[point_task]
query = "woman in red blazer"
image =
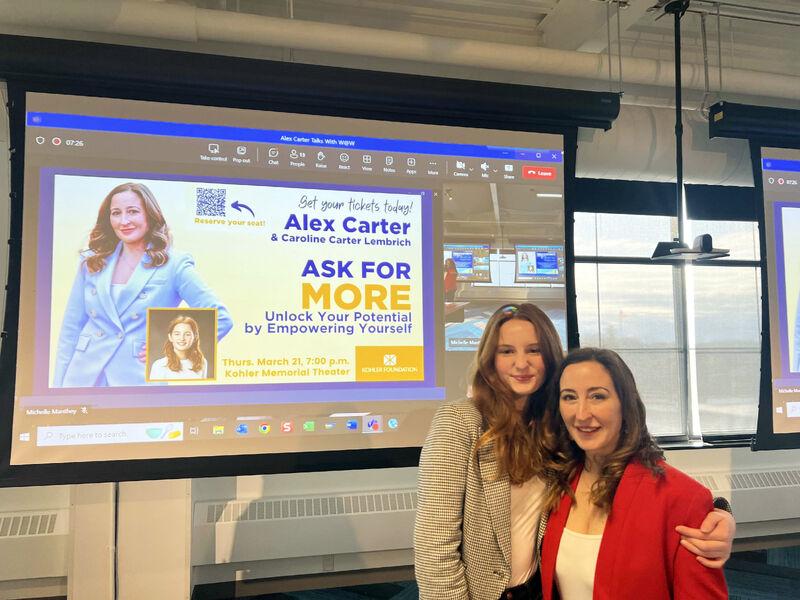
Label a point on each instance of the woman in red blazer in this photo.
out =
(614, 502)
(450, 280)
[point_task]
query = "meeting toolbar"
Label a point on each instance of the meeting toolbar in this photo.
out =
(281, 150)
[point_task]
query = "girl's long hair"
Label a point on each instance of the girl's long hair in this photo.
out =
(517, 441)
(103, 241)
(635, 441)
(194, 354)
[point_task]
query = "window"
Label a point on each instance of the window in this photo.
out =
(690, 333)
(724, 299)
(601, 234)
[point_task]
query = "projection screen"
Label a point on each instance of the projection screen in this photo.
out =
(204, 281)
(780, 178)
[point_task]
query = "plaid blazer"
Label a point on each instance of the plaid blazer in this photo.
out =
(462, 533)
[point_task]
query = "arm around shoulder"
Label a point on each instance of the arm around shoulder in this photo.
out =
(713, 540)
(443, 470)
(690, 578)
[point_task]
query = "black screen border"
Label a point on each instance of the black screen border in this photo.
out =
(75, 68)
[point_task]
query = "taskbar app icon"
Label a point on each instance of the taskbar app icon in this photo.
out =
(373, 424)
(320, 425)
(304, 425)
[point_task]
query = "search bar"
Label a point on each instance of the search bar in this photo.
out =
(118, 433)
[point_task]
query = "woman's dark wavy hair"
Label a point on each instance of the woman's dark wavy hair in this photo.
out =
(103, 241)
(517, 442)
(635, 441)
(194, 354)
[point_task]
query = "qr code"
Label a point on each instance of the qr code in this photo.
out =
(210, 202)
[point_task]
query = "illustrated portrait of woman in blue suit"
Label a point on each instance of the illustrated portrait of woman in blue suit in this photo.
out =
(128, 267)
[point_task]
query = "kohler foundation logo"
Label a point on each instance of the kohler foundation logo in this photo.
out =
(390, 366)
(390, 363)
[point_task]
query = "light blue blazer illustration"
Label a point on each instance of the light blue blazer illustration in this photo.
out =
(103, 332)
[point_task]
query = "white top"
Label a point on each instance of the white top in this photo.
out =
(575, 564)
(526, 508)
(160, 370)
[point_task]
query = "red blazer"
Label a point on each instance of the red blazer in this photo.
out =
(640, 555)
(450, 281)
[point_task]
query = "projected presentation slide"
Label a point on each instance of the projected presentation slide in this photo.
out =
(472, 261)
(540, 263)
(305, 273)
(781, 183)
(201, 281)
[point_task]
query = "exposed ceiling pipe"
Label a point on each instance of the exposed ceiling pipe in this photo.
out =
(188, 23)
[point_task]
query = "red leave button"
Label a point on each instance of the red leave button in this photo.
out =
(533, 172)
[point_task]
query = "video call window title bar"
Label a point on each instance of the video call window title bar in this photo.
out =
(269, 136)
(776, 164)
